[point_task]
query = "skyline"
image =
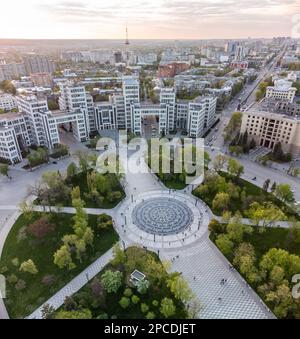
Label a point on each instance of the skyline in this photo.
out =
(157, 19)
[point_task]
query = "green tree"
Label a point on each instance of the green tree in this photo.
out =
(4, 170)
(63, 258)
(124, 302)
(143, 286)
(225, 244)
(167, 308)
(180, 288)
(221, 202)
(265, 215)
(29, 267)
(112, 281)
(284, 193)
(234, 168)
(72, 170)
(119, 256)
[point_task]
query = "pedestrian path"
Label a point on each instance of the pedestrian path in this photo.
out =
(74, 285)
(206, 272)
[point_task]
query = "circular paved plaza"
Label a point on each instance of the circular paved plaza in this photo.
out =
(162, 216)
(162, 219)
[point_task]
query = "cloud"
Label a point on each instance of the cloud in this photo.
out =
(182, 16)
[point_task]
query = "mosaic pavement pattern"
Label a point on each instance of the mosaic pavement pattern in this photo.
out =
(162, 216)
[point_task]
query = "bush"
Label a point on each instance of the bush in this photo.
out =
(112, 281)
(128, 292)
(124, 302)
(144, 308)
(15, 262)
(41, 228)
(12, 279)
(155, 303)
(49, 280)
(102, 316)
(20, 285)
(150, 315)
(135, 299)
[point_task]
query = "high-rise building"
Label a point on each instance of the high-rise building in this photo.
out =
(38, 64)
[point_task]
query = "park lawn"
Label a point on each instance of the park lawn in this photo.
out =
(22, 303)
(112, 307)
(272, 238)
(253, 190)
(173, 184)
(80, 180)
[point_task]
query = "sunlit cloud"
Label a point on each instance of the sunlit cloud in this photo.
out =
(147, 19)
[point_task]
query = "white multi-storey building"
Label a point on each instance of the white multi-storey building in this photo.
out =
(36, 125)
(7, 102)
(282, 90)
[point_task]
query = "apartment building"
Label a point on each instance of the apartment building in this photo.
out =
(7, 102)
(36, 125)
(268, 129)
(282, 90)
(38, 64)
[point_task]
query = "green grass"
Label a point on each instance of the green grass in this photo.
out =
(111, 305)
(21, 303)
(272, 238)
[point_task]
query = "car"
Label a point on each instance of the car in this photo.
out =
(54, 163)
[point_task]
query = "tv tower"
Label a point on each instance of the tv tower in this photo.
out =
(127, 39)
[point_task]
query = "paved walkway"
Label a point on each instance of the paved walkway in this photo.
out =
(74, 285)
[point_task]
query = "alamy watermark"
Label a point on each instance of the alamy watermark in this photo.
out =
(2, 287)
(164, 156)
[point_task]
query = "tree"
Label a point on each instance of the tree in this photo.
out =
(219, 162)
(150, 316)
(235, 229)
(72, 170)
(167, 308)
(4, 169)
(265, 215)
(40, 228)
(266, 185)
(143, 286)
(180, 288)
(48, 312)
(83, 160)
(284, 193)
(234, 168)
(78, 314)
(281, 299)
(216, 227)
(221, 202)
(112, 281)
(144, 308)
(63, 258)
(124, 302)
(119, 256)
(29, 267)
(135, 299)
(233, 126)
(225, 244)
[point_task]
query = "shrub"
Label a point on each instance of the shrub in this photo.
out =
(128, 292)
(155, 303)
(20, 285)
(135, 299)
(112, 281)
(150, 315)
(102, 316)
(12, 279)
(40, 228)
(124, 302)
(15, 262)
(143, 286)
(144, 308)
(29, 267)
(48, 280)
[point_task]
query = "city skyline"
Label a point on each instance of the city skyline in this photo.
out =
(158, 19)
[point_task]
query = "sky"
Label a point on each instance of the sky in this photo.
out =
(148, 19)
